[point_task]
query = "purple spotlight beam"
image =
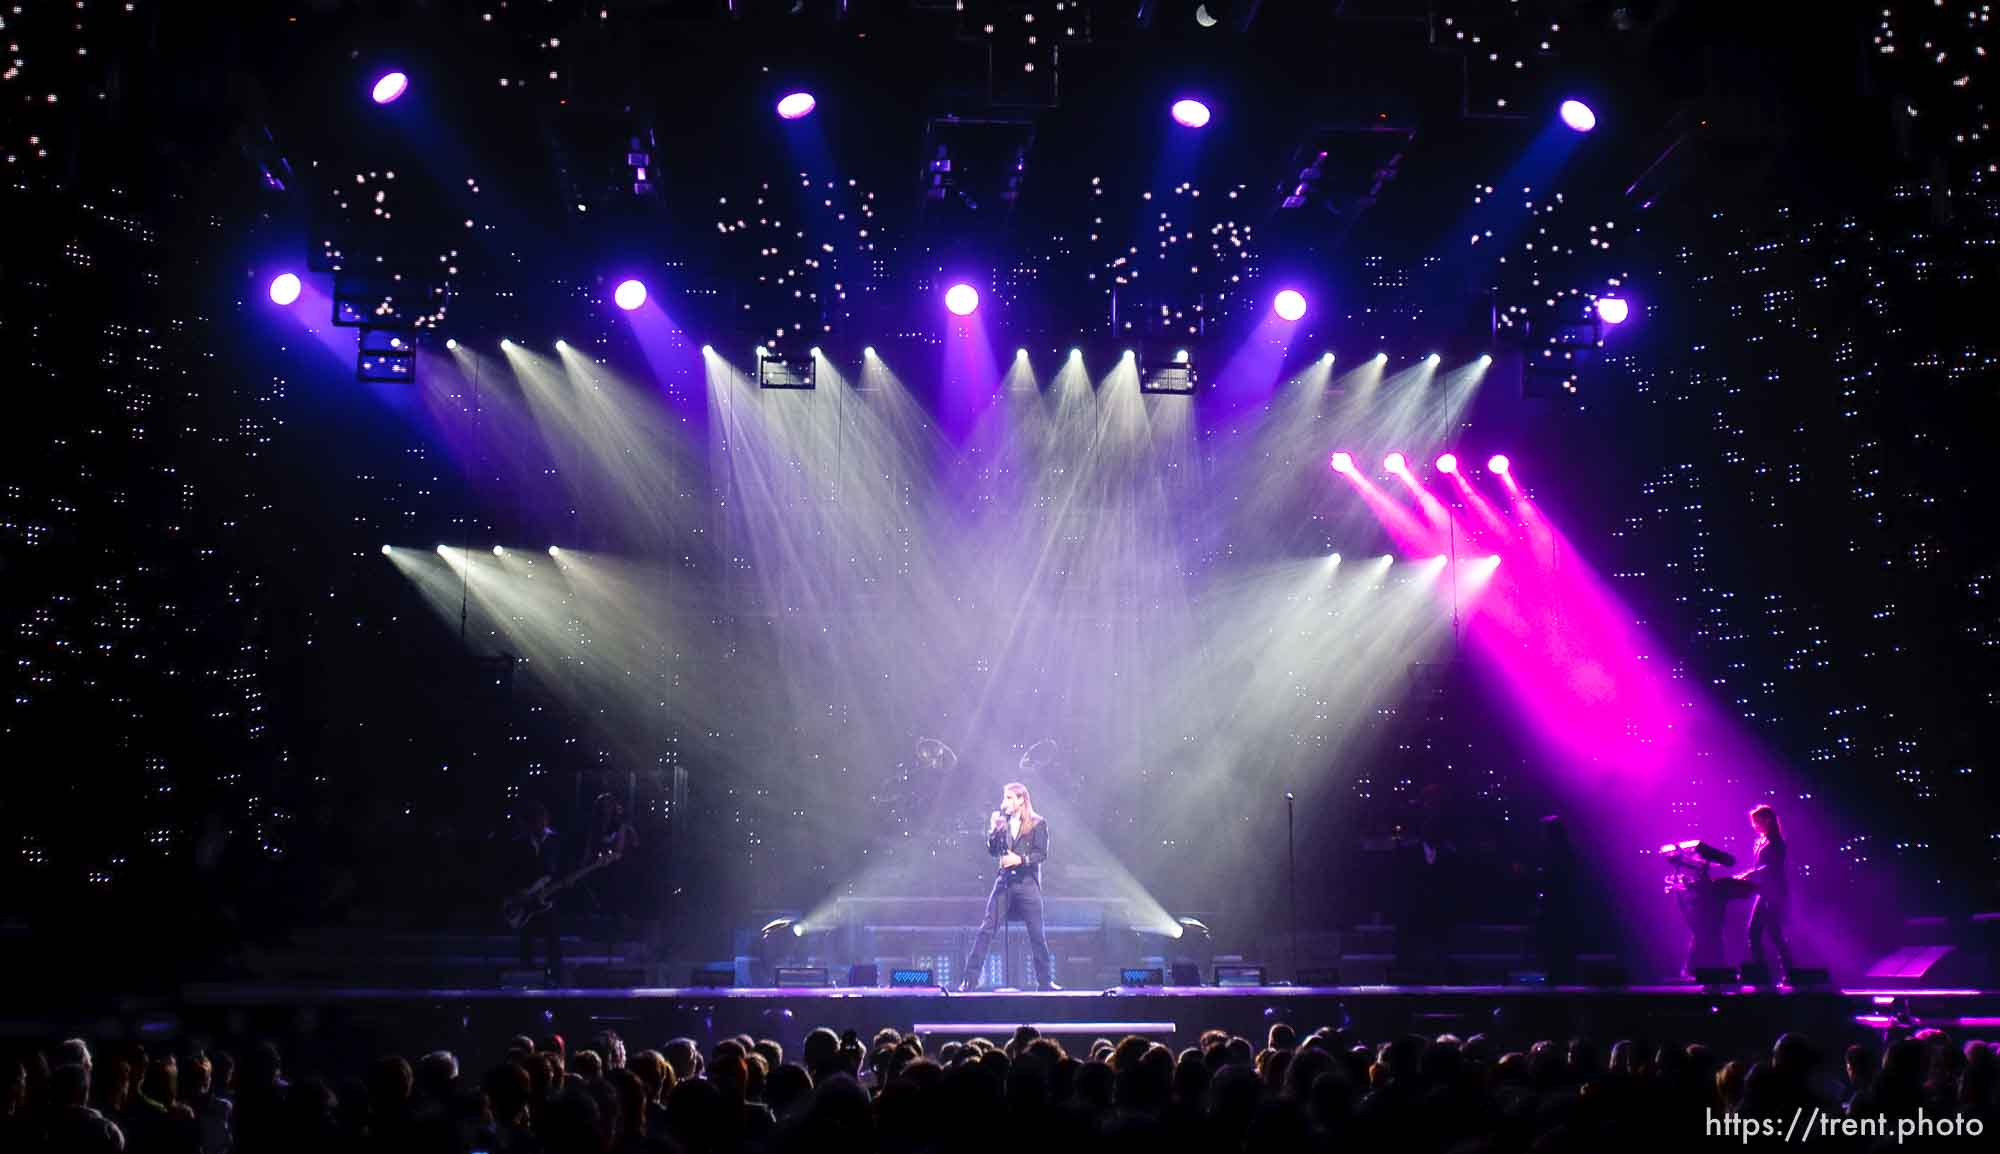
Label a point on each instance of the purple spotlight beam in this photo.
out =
(961, 299)
(1190, 113)
(630, 294)
(1289, 304)
(389, 87)
(796, 106)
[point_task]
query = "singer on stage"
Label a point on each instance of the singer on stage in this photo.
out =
(1019, 838)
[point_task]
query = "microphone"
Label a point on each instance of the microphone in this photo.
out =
(999, 819)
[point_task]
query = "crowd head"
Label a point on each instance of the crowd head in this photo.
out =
(892, 1091)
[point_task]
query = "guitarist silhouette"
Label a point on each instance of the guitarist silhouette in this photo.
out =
(537, 856)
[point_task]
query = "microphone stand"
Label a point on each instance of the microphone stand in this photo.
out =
(1292, 856)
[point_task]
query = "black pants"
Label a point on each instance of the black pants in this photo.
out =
(1767, 919)
(1025, 898)
(544, 926)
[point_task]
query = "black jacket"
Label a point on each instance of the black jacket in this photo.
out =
(1033, 846)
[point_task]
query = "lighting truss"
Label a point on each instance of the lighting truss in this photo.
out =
(786, 371)
(1172, 375)
(386, 354)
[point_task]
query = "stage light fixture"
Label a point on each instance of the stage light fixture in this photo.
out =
(1076, 354)
(285, 288)
(1343, 462)
(1447, 463)
(390, 87)
(451, 344)
(1020, 354)
(1396, 463)
(1381, 358)
(1289, 304)
(1180, 356)
(708, 350)
(1578, 115)
(1498, 464)
(1434, 358)
(630, 294)
(961, 299)
(499, 551)
(1128, 356)
(553, 551)
(868, 352)
(385, 550)
(1191, 113)
(1613, 310)
(796, 106)
(561, 344)
(813, 351)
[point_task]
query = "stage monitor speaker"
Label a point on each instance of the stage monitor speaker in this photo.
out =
(716, 977)
(1754, 974)
(1809, 977)
(1318, 976)
(1237, 974)
(800, 977)
(1714, 975)
(864, 974)
(1144, 976)
(1185, 974)
(912, 979)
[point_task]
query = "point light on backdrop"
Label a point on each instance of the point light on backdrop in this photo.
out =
(961, 299)
(1289, 304)
(1447, 463)
(1613, 310)
(796, 105)
(1498, 464)
(1342, 462)
(1190, 113)
(1578, 115)
(285, 288)
(390, 87)
(1396, 463)
(630, 294)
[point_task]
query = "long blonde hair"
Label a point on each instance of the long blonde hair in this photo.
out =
(1029, 818)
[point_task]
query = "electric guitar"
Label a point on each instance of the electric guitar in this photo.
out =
(537, 899)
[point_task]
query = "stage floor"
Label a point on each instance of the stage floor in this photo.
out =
(1513, 1015)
